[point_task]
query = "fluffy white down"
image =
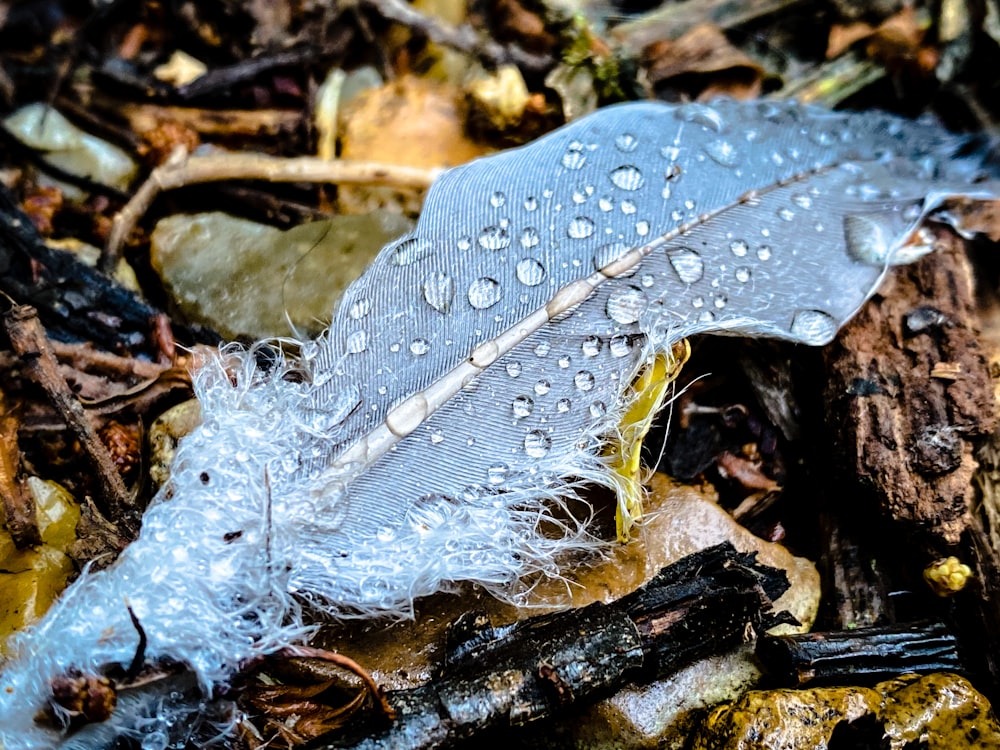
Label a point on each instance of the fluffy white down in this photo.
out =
(212, 599)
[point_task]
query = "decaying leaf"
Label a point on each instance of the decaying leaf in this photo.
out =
(440, 428)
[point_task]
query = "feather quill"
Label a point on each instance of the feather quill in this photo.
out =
(471, 377)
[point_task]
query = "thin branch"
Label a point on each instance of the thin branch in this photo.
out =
(28, 339)
(344, 662)
(180, 170)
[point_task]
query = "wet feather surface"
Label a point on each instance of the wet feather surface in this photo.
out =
(471, 377)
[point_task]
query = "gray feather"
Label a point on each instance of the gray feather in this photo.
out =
(469, 378)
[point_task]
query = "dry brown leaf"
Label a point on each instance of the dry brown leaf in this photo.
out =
(409, 122)
(897, 42)
(704, 51)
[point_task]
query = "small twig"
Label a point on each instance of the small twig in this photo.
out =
(135, 668)
(28, 339)
(344, 662)
(19, 506)
(180, 170)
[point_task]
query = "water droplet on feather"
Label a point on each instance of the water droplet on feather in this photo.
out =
(580, 228)
(411, 250)
(494, 238)
(530, 272)
(626, 305)
(439, 290)
(687, 263)
(813, 327)
(627, 177)
(484, 293)
(522, 406)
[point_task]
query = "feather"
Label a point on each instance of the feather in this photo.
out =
(472, 377)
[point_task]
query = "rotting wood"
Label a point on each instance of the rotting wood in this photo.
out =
(908, 435)
(497, 679)
(28, 340)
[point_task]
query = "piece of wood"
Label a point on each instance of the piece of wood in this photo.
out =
(860, 656)
(906, 430)
(497, 679)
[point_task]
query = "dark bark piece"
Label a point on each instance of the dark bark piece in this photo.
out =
(861, 656)
(499, 679)
(18, 504)
(28, 339)
(909, 392)
(857, 586)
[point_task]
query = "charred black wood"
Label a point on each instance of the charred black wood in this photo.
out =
(861, 656)
(497, 679)
(74, 301)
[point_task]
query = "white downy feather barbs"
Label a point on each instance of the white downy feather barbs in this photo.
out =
(470, 376)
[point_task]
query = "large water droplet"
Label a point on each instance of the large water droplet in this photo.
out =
(419, 347)
(591, 346)
(522, 406)
(742, 274)
(564, 362)
(627, 177)
(626, 142)
(411, 250)
(764, 252)
(360, 308)
(584, 380)
(628, 207)
(723, 152)
(813, 327)
(530, 203)
(484, 293)
(530, 272)
(513, 368)
(687, 263)
(463, 243)
(537, 443)
(563, 405)
(580, 228)
(529, 237)
(739, 248)
(701, 114)
(626, 305)
(542, 387)
(498, 199)
(494, 238)
(497, 473)
(606, 204)
(574, 158)
(642, 228)
(439, 291)
(609, 253)
(866, 240)
(542, 349)
(620, 345)
(357, 342)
